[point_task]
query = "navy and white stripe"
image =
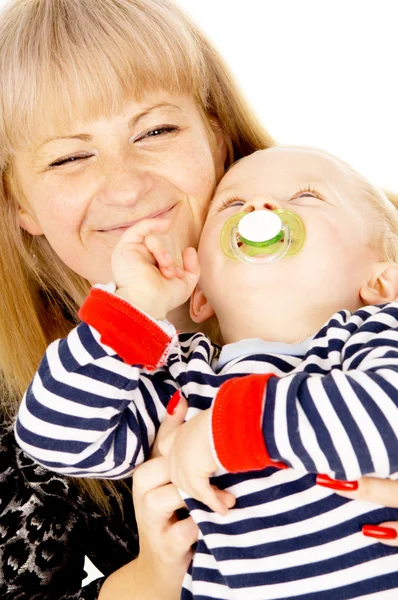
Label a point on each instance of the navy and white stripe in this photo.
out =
(334, 410)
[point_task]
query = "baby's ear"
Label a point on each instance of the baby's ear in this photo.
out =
(200, 308)
(382, 284)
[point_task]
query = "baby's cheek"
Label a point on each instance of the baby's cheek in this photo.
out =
(208, 238)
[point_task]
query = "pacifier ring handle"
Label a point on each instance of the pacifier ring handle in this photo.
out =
(261, 258)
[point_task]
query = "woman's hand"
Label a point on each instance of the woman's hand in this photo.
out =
(176, 412)
(370, 489)
(165, 542)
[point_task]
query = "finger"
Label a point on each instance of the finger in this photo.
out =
(190, 261)
(139, 231)
(207, 495)
(169, 272)
(226, 497)
(370, 489)
(161, 503)
(191, 269)
(151, 474)
(386, 533)
(183, 534)
(165, 445)
(175, 416)
(162, 248)
(177, 541)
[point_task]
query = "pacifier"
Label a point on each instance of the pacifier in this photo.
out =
(262, 236)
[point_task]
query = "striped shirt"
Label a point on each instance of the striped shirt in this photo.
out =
(333, 410)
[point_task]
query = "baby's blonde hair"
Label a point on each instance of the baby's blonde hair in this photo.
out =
(63, 61)
(384, 212)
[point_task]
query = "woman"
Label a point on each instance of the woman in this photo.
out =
(111, 111)
(148, 117)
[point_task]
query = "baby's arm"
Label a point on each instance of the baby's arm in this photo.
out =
(86, 411)
(344, 423)
(192, 452)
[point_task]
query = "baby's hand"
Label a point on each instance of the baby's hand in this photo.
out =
(149, 270)
(191, 463)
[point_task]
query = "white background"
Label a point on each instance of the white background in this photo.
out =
(316, 72)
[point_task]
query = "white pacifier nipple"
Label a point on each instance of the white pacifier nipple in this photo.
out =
(260, 228)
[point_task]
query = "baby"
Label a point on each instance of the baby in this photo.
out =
(306, 381)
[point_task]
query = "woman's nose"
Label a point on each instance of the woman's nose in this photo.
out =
(124, 185)
(259, 203)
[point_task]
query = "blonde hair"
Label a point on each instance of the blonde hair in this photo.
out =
(88, 57)
(384, 212)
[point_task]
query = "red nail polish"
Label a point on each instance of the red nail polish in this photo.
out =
(380, 533)
(173, 402)
(334, 484)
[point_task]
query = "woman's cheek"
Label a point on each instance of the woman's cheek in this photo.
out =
(200, 172)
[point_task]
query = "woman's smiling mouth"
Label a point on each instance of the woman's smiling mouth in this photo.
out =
(123, 226)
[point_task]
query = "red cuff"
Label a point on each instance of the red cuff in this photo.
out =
(237, 424)
(133, 336)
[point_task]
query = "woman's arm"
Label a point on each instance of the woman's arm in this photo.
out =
(165, 542)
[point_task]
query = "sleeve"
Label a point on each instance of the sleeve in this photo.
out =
(91, 410)
(46, 530)
(89, 592)
(344, 422)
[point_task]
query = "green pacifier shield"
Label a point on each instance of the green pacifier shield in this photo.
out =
(296, 227)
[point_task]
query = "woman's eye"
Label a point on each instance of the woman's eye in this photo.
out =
(69, 159)
(157, 132)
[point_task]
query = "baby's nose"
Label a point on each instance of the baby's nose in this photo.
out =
(259, 203)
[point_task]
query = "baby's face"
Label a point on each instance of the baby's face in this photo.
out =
(327, 274)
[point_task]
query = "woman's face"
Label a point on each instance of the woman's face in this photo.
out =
(83, 188)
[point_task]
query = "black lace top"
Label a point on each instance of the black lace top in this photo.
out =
(46, 529)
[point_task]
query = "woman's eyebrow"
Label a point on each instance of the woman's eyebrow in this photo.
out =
(134, 120)
(86, 137)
